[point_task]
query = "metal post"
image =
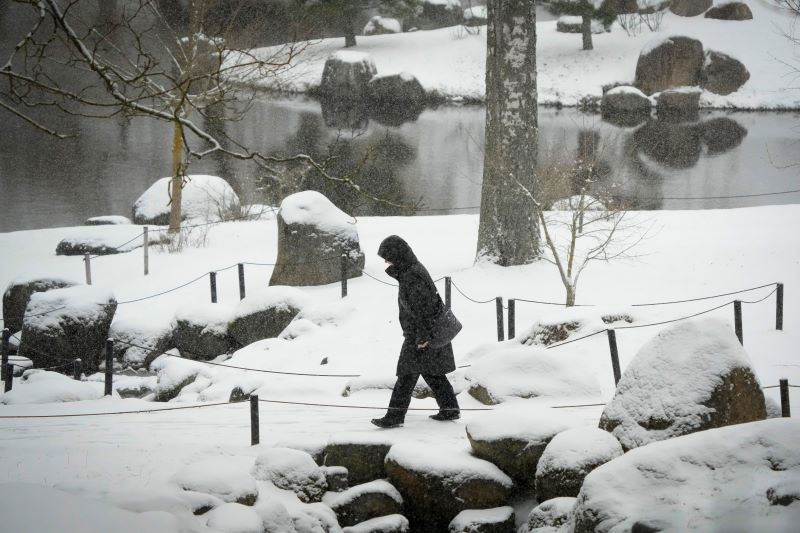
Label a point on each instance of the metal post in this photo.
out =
(512, 318)
(77, 369)
(786, 411)
(254, 436)
(448, 282)
(212, 278)
(9, 378)
(779, 307)
(87, 262)
(344, 275)
(6, 336)
(241, 281)
(499, 305)
(737, 320)
(612, 344)
(146, 247)
(109, 366)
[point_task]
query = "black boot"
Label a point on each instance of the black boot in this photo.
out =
(387, 422)
(446, 415)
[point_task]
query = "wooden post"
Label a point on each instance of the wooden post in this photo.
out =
(212, 278)
(146, 247)
(512, 318)
(500, 328)
(254, 433)
(344, 275)
(448, 282)
(4, 351)
(87, 263)
(786, 411)
(109, 366)
(612, 344)
(77, 369)
(737, 320)
(9, 377)
(241, 281)
(779, 307)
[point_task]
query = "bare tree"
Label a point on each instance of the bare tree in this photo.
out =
(85, 58)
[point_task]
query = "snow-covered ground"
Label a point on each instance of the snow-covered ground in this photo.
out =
(689, 254)
(451, 61)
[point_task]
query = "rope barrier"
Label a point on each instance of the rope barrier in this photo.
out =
(164, 292)
(468, 298)
(674, 319)
(578, 339)
(379, 280)
(117, 248)
(704, 297)
(69, 415)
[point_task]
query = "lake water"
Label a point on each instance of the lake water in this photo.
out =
(436, 156)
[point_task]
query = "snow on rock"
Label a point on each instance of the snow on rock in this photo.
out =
(692, 376)
(514, 438)
(108, 220)
(443, 481)
(569, 458)
(200, 331)
(314, 209)
(365, 502)
(138, 342)
(292, 470)
(227, 478)
(483, 520)
(378, 25)
(346, 74)
(174, 373)
(553, 513)
(265, 313)
(40, 386)
(106, 240)
(715, 480)
(477, 14)
(206, 198)
(275, 517)
(385, 524)
(314, 518)
(18, 294)
(235, 518)
(319, 315)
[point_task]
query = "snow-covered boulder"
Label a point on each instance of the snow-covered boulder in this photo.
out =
(66, 324)
(234, 518)
(394, 523)
(437, 483)
(107, 220)
(569, 458)
(738, 478)
(691, 377)
(173, 373)
(379, 25)
(204, 197)
(227, 478)
(672, 62)
(363, 457)
(200, 331)
(18, 294)
(678, 105)
(396, 90)
(39, 386)
(515, 438)
(476, 16)
(346, 74)
(266, 313)
(730, 11)
(574, 24)
(314, 518)
(292, 470)
(553, 513)
(336, 477)
(138, 343)
(313, 235)
(625, 106)
(689, 8)
(551, 332)
(366, 501)
(723, 74)
(497, 520)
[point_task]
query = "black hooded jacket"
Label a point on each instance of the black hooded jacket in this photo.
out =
(420, 304)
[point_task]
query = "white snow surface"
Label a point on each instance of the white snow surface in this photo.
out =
(275, 296)
(548, 513)
(40, 386)
(290, 469)
(577, 448)
(203, 197)
(235, 518)
(79, 303)
(393, 523)
(715, 480)
(213, 316)
(387, 24)
(626, 89)
(228, 478)
(520, 421)
(454, 463)
(314, 209)
(469, 519)
(109, 220)
(478, 12)
(122, 236)
(351, 56)
(371, 487)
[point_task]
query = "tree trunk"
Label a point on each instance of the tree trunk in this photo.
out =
(508, 232)
(349, 38)
(176, 185)
(570, 295)
(586, 30)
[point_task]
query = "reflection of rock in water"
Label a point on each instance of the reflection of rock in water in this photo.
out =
(395, 114)
(722, 134)
(672, 145)
(344, 115)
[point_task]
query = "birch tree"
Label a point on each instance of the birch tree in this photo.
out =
(508, 232)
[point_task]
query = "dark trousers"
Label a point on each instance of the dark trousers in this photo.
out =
(401, 395)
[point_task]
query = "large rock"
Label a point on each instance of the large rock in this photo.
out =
(569, 458)
(514, 439)
(689, 8)
(738, 478)
(439, 483)
(201, 331)
(574, 24)
(730, 11)
(226, 477)
(396, 91)
(364, 460)
(107, 240)
(313, 235)
(394, 523)
(264, 314)
(208, 198)
(18, 294)
(292, 470)
(346, 74)
(365, 502)
(625, 106)
(722, 74)
(691, 377)
(173, 373)
(379, 25)
(678, 105)
(497, 520)
(553, 513)
(66, 324)
(674, 62)
(138, 343)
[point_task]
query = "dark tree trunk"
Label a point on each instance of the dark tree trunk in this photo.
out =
(586, 30)
(508, 233)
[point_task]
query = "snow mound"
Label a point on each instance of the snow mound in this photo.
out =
(314, 209)
(292, 470)
(353, 493)
(379, 25)
(715, 480)
(84, 303)
(40, 386)
(235, 518)
(228, 478)
(457, 465)
(578, 448)
(203, 197)
(481, 519)
(274, 297)
(213, 317)
(520, 421)
(106, 240)
(554, 513)
(111, 220)
(393, 523)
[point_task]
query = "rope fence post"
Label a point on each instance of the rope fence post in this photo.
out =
(4, 349)
(87, 263)
(77, 369)
(512, 318)
(109, 366)
(786, 410)
(779, 307)
(737, 320)
(448, 287)
(9, 377)
(499, 306)
(241, 281)
(612, 345)
(212, 279)
(344, 275)
(254, 424)
(146, 247)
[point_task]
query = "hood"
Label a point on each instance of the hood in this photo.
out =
(397, 252)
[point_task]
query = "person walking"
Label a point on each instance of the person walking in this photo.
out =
(420, 305)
